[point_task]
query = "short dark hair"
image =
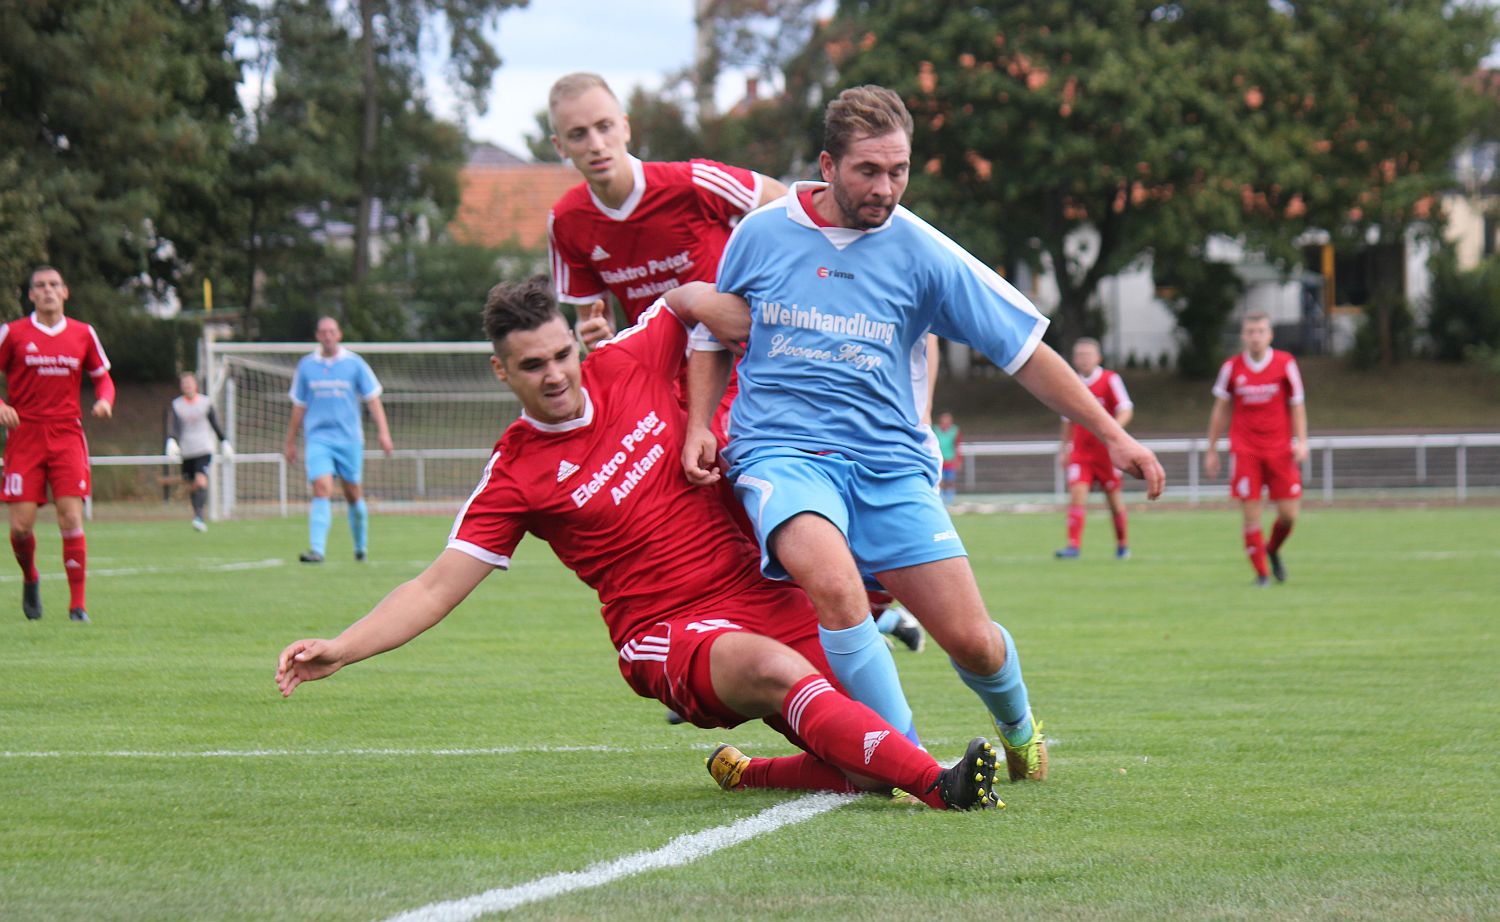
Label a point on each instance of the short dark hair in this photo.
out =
(512, 306)
(863, 112)
(43, 268)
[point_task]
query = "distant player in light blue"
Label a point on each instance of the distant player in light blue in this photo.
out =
(826, 448)
(327, 390)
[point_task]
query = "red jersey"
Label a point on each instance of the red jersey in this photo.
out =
(1263, 394)
(671, 230)
(1109, 389)
(607, 490)
(44, 367)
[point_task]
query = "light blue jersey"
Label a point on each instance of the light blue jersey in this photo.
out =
(332, 390)
(836, 360)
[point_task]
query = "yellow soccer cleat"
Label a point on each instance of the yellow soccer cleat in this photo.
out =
(1028, 761)
(727, 764)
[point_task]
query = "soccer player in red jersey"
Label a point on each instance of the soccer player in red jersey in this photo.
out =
(591, 468)
(44, 358)
(1086, 459)
(1259, 395)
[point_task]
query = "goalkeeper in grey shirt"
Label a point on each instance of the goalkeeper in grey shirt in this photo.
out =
(192, 430)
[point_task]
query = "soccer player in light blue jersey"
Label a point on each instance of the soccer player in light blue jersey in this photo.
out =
(826, 451)
(327, 391)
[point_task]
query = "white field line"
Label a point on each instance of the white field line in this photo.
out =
(682, 850)
(303, 753)
(232, 566)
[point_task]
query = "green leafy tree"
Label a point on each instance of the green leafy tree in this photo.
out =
(1157, 125)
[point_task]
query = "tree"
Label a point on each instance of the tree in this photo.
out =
(1156, 124)
(115, 122)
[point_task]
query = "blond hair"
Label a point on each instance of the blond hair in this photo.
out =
(572, 85)
(863, 112)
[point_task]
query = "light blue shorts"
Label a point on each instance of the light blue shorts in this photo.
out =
(890, 520)
(346, 459)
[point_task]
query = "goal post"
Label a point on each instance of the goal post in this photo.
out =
(442, 401)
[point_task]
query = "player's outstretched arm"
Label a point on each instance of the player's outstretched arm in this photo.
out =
(726, 316)
(1052, 381)
(410, 608)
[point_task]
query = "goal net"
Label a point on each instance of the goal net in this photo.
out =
(443, 403)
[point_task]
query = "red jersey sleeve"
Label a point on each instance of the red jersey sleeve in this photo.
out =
(726, 192)
(493, 520)
(573, 275)
(658, 340)
(96, 363)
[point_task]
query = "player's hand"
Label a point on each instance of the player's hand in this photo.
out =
(290, 451)
(9, 418)
(1139, 461)
(305, 661)
(1211, 464)
(174, 451)
(1299, 451)
(1062, 457)
(593, 325)
(700, 453)
(103, 409)
(386, 445)
(226, 449)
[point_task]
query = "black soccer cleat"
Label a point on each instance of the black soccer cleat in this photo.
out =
(310, 557)
(675, 718)
(78, 614)
(359, 556)
(970, 785)
(1277, 570)
(31, 600)
(908, 632)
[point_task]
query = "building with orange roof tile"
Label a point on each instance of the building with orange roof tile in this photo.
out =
(504, 200)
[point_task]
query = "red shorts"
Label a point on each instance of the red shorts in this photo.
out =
(1089, 469)
(43, 454)
(669, 660)
(1249, 473)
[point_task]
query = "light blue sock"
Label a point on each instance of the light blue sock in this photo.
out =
(359, 523)
(863, 665)
(319, 517)
(888, 620)
(1004, 693)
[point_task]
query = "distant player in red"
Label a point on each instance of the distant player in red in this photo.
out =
(44, 358)
(591, 468)
(1259, 395)
(1086, 459)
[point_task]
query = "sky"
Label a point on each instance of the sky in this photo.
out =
(628, 42)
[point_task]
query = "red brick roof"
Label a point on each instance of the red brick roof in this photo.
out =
(508, 203)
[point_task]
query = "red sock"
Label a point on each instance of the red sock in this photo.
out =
(75, 564)
(1121, 520)
(1255, 546)
(25, 548)
(853, 738)
(1279, 531)
(1076, 517)
(801, 772)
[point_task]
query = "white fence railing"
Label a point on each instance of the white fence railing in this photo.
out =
(1456, 466)
(1452, 464)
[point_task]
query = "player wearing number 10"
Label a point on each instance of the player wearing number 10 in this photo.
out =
(591, 467)
(45, 357)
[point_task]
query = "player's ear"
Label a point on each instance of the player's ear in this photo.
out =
(625, 122)
(557, 146)
(499, 368)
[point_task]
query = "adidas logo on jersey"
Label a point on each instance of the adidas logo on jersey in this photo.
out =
(599, 253)
(31, 347)
(566, 469)
(872, 739)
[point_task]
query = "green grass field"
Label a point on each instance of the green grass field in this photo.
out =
(1322, 749)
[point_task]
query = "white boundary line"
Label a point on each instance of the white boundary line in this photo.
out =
(298, 753)
(267, 564)
(682, 850)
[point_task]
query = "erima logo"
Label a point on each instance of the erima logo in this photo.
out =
(872, 739)
(599, 253)
(566, 469)
(825, 273)
(31, 347)
(945, 536)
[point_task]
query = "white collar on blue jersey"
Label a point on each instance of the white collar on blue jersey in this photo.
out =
(318, 355)
(623, 213)
(570, 425)
(840, 237)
